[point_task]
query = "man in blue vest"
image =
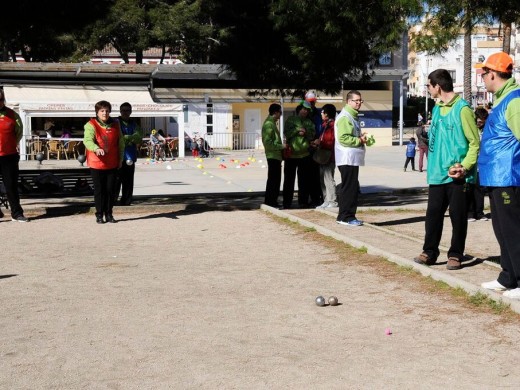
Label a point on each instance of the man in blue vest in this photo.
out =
(499, 168)
(132, 136)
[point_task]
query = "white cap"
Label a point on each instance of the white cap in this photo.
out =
(310, 96)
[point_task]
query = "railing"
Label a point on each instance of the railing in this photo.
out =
(233, 141)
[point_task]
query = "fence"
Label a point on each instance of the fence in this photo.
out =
(233, 141)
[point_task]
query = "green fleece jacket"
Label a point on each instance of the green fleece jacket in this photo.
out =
(299, 143)
(346, 131)
(271, 139)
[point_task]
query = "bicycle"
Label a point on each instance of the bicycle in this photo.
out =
(158, 152)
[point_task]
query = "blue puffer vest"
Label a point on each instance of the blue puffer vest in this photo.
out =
(499, 159)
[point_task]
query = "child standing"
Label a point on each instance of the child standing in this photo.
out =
(410, 154)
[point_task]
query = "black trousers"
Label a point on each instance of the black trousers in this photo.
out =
(274, 179)
(505, 209)
(315, 192)
(125, 184)
(476, 200)
(439, 198)
(10, 171)
(292, 166)
(348, 193)
(410, 159)
(104, 181)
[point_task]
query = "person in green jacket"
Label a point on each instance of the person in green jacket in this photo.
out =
(299, 131)
(273, 147)
(453, 146)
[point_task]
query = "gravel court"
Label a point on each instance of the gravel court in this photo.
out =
(225, 301)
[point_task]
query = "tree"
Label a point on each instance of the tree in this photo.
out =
(443, 22)
(44, 31)
(507, 12)
(312, 43)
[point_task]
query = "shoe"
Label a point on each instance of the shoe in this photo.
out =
(453, 263)
(484, 218)
(424, 259)
(354, 222)
(404, 169)
(99, 220)
(332, 204)
(513, 293)
(420, 170)
(471, 219)
(323, 205)
(414, 169)
(494, 285)
(1, 214)
(110, 218)
(20, 218)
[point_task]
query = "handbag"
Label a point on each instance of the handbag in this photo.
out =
(322, 156)
(287, 152)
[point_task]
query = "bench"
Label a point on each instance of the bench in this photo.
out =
(36, 183)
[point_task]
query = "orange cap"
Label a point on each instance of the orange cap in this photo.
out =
(500, 62)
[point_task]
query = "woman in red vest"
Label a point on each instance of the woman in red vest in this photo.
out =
(105, 149)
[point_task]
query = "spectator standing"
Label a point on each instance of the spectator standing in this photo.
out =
(132, 136)
(349, 149)
(299, 132)
(315, 189)
(273, 146)
(410, 154)
(499, 167)
(422, 144)
(453, 150)
(476, 192)
(11, 132)
(326, 141)
(105, 150)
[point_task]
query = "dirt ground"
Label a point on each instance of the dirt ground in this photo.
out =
(184, 298)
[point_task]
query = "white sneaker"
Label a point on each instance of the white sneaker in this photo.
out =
(484, 219)
(323, 205)
(332, 204)
(471, 219)
(513, 294)
(494, 285)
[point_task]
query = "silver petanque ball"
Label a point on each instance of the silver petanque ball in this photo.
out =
(320, 301)
(333, 301)
(129, 162)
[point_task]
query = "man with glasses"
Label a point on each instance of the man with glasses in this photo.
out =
(453, 148)
(499, 168)
(132, 136)
(11, 131)
(349, 149)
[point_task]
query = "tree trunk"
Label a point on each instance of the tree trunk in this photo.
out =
(506, 44)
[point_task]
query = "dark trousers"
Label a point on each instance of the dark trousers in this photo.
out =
(315, 192)
(439, 198)
(505, 207)
(476, 200)
(104, 181)
(10, 171)
(293, 166)
(125, 184)
(348, 192)
(410, 159)
(274, 179)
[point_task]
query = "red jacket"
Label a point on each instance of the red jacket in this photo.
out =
(327, 137)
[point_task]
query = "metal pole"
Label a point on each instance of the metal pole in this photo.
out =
(401, 102)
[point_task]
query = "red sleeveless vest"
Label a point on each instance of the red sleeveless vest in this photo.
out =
(108, 140)
(8, 142)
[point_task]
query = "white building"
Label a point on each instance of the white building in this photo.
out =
(485, 41)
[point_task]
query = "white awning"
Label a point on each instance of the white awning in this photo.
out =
(70, 100)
